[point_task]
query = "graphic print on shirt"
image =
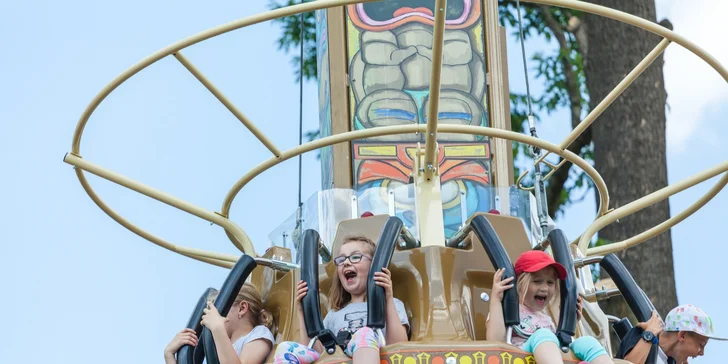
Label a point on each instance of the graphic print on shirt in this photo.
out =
(529, 325)
(355, 321)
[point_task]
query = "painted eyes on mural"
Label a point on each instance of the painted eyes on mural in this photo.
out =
(402, 193)
(450, 191)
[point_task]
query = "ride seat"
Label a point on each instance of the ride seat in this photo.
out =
(437, 310)
(454, 312)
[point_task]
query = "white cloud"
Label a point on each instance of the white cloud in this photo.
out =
(693, 87)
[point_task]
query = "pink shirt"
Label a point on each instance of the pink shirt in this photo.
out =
(530, 322)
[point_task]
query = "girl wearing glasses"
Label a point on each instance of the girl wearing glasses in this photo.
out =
(348, 311)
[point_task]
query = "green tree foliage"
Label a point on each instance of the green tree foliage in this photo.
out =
(561, 70)
(290, 40)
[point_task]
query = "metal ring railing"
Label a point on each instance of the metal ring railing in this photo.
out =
(241, 240)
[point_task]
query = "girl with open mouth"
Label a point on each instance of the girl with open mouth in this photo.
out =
(537, 285)
(348, 311)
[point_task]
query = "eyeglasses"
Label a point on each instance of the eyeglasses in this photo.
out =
(354, 258)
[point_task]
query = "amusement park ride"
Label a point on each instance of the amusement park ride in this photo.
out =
(414, 121)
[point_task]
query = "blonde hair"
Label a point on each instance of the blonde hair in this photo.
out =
(258, 314)
(338, 296)
(524, 279)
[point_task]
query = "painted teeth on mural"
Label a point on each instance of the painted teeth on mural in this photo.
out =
(405, 10)
(382, 11)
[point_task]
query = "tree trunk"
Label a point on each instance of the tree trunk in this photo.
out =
(629, 145)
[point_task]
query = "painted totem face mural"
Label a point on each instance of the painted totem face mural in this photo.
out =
(390, 53)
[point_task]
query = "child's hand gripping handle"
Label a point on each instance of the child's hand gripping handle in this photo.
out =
(569, 292)
(499, 258)
(225, 299)
(188, 354)
(310, 302)
(376, 305)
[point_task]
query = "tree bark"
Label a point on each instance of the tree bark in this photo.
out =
(630, 147)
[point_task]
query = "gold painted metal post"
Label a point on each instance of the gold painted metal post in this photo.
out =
(659, 229)
(498, 99)
(199, 253)
(438, 35)
(219, 263)
(640, 23)
(642, 203)
(235, 232)
(391, 130)
(339, 93)
(616, 91)
(599, 183)
(228, 104)
(428, 204)
(225, 263)
(599, 109)
(197, 38)
(241, 239)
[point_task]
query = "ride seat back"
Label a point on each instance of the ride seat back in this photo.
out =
(440, 287)
(278, 292)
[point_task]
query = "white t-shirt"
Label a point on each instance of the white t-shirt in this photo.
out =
(258, 332)
(354, 316)
(661, 356)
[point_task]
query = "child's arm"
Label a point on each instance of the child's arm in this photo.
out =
(225, 351)
(184, 337)
(396, 332)
(212, 320)
(301, 290)
(495, 325)
(641, 350)
(255, 352)
(303, 338)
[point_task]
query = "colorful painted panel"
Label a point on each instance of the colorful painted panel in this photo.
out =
(322, 58)
(463, 166)
(456, 356)
(390, 51)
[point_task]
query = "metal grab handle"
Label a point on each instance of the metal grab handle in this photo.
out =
(310, 302)
(189, 354)
(499, 258)
(225, 299)
(632, 293)
(569, 291)
(622, 327)
(408, 240)
(376, 308)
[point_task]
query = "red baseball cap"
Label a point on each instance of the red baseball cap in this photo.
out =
(535, 260)
(367, 214)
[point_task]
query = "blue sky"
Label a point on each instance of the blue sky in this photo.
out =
(78, 275)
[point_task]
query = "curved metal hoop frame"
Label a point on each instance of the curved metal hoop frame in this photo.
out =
(238, 235)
